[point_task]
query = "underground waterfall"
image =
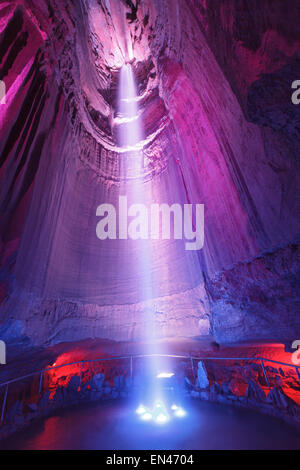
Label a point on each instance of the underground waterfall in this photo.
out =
(149, 224)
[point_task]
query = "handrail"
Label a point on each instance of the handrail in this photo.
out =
(131, 357)
(135, 356)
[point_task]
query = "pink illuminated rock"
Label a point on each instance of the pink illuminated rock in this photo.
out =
(210, 137)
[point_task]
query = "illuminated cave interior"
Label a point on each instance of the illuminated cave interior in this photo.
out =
(156, 102)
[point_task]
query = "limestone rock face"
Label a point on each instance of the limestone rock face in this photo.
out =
(202, 378)
(214, 85)
(255, 392)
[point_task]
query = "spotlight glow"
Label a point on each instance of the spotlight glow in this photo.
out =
(141, 410)
(160, 413)
(165, 375)
(180, 413)
(147, 416)
(161, 418)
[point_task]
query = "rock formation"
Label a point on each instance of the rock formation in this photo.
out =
(214, 83)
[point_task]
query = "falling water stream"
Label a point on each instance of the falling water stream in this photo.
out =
(130, 140)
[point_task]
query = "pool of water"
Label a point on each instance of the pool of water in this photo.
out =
(115, 426)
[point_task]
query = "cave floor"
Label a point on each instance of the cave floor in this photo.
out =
(115, 426)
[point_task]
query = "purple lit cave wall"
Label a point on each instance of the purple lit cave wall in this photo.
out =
(219, 129)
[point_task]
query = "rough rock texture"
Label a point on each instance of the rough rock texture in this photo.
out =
(202, 379)
(52, 319)
(214, 134)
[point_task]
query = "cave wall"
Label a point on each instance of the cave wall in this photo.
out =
(244, 155)
(211, 136)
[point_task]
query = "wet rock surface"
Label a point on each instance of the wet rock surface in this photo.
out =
(214, 82)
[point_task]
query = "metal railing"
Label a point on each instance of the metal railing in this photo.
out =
(131, 358)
